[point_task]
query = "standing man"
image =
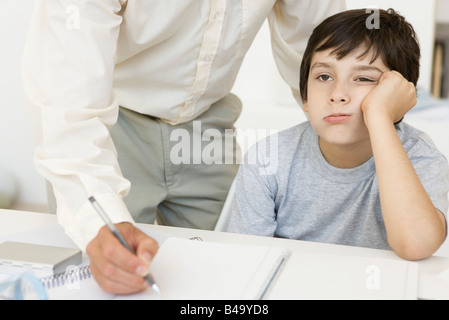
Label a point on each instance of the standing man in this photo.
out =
(109, 82)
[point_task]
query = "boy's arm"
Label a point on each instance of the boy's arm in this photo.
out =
(415, 228)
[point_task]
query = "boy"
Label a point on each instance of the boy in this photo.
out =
(352, 174)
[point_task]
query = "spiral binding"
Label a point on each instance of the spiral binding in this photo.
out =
(70, 277)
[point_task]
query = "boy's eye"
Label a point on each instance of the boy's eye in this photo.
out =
(324, 77)
(364, 79)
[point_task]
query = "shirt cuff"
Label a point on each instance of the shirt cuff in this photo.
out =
(83, 226)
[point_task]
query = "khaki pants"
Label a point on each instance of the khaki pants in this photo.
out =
(178, 174)
(175, 176)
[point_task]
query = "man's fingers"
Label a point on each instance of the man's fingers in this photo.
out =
(144, 246)
(114, 280)
(115, 268)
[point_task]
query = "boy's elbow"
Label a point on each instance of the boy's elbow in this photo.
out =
(412, 251)
(412, 254)
(419, 244)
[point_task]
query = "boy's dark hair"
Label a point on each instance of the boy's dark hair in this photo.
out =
(394, 41)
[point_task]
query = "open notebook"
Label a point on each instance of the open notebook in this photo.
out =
(193, 270)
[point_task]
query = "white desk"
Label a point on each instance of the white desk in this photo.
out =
(430, 285)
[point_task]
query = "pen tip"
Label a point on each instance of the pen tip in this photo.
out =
(156, 289)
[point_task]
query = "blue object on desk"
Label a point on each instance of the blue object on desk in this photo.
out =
(25, 286)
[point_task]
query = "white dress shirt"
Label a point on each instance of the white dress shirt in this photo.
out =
(170, 59)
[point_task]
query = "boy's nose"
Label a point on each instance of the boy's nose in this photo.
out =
(339, 99)
(339, 95)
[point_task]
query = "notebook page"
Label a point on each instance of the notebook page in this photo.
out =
(194, 270)
(340, 277)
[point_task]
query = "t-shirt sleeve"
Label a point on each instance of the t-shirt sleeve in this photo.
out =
(253, 208)
(432, 168)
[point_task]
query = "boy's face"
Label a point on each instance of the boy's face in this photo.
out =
(336, 89)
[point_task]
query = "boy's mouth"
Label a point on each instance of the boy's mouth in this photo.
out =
(337, 117)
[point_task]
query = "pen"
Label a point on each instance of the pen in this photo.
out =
(119, 236)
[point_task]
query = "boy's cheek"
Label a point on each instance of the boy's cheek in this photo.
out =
(364, 96)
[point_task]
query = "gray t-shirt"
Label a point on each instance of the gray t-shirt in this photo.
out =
(285, 188)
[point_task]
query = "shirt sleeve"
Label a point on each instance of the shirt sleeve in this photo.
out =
(291, 24)
(432, 168)
(254, 208)
(67, 70)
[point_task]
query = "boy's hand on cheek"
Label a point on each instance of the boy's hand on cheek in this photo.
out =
(390, 100)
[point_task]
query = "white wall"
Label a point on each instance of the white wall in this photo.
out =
(267, 100)
(443, 11)
(16, 143)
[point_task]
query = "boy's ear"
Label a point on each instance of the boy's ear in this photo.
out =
(305, 107)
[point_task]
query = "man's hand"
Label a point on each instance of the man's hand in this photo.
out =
(393, 97)
(116, 269)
